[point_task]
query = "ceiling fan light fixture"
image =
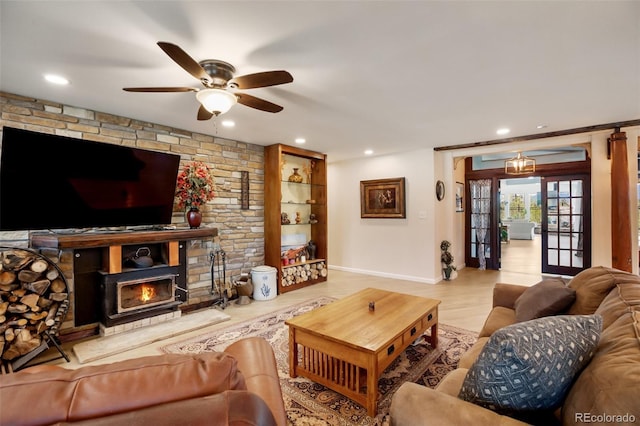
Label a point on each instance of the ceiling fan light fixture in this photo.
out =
(519, 165)
(216, 101)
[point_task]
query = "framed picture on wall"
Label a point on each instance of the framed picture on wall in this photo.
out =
(382, 198)
(459, 196)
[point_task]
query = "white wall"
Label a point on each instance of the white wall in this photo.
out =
(449, 224)
(398, 248)
(600, 201)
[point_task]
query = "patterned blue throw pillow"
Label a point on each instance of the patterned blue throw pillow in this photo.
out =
(531, 365)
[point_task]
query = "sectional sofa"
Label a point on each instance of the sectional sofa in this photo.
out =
(540, 331)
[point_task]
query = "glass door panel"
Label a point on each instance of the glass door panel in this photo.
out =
(480, 236)
(567, 220)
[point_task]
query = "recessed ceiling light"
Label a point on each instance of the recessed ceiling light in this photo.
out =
(300, 140)
(56, 79)
(541, 126)
(368, 152)
(228, 123)
(503, 131)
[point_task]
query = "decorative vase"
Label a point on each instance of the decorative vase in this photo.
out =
(311, 249)
(194, 217)
(447, 273)
(295, 177)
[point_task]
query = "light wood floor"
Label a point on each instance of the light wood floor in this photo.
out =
(523, 256)
(466, 301)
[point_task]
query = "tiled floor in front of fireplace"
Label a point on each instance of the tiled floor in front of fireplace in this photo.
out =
(178, 325)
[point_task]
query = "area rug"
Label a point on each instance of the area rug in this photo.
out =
(308, 403)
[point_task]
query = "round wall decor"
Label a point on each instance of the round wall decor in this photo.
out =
(439, 190)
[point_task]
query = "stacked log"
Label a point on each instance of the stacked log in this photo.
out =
(297, 274)
(33, 299)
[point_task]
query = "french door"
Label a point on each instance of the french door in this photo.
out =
(482, 249)
(566, 224)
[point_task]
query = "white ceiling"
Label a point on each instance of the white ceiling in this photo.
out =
(386, 75)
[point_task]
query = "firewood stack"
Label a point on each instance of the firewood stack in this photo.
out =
(301, 273)
(33, 298)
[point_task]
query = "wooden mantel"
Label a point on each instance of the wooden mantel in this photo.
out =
(106, 239)
(112, 242)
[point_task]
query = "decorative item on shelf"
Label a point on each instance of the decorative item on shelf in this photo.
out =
(194, 188)
(519, 165)
(372, 306)
(141, 258)
(447, 260)
(293, 255)
(194, 218)
(295, 176)
(308, 169)
(298, 217)
(311, 250)
(284, 219)
(312, 219)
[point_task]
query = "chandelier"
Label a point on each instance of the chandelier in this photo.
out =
(519, 165)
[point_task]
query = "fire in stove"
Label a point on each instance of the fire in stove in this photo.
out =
(143, 293)
(148, 293)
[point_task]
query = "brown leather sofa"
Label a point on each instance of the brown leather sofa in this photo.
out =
(606, 391)
(239, 386)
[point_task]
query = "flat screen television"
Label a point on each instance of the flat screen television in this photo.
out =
(57, 182)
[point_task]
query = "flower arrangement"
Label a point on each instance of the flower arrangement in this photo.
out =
(447, 259)
(195, 185)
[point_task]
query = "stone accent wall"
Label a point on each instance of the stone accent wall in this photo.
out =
(241, 232)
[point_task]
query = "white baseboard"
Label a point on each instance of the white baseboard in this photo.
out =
(386, 275)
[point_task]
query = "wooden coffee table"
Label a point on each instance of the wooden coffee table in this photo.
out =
(346, 346)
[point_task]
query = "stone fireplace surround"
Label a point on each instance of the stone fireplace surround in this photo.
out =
(89, 260)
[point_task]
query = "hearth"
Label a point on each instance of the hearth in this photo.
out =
(136, 294)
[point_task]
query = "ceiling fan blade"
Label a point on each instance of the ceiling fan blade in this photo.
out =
(257, 103)
(203, 114)
(160, 89)
(183, 59)
(262, 79)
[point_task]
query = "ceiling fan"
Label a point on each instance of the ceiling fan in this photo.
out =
(217, 77)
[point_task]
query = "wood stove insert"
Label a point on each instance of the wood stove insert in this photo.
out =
(136, 294)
